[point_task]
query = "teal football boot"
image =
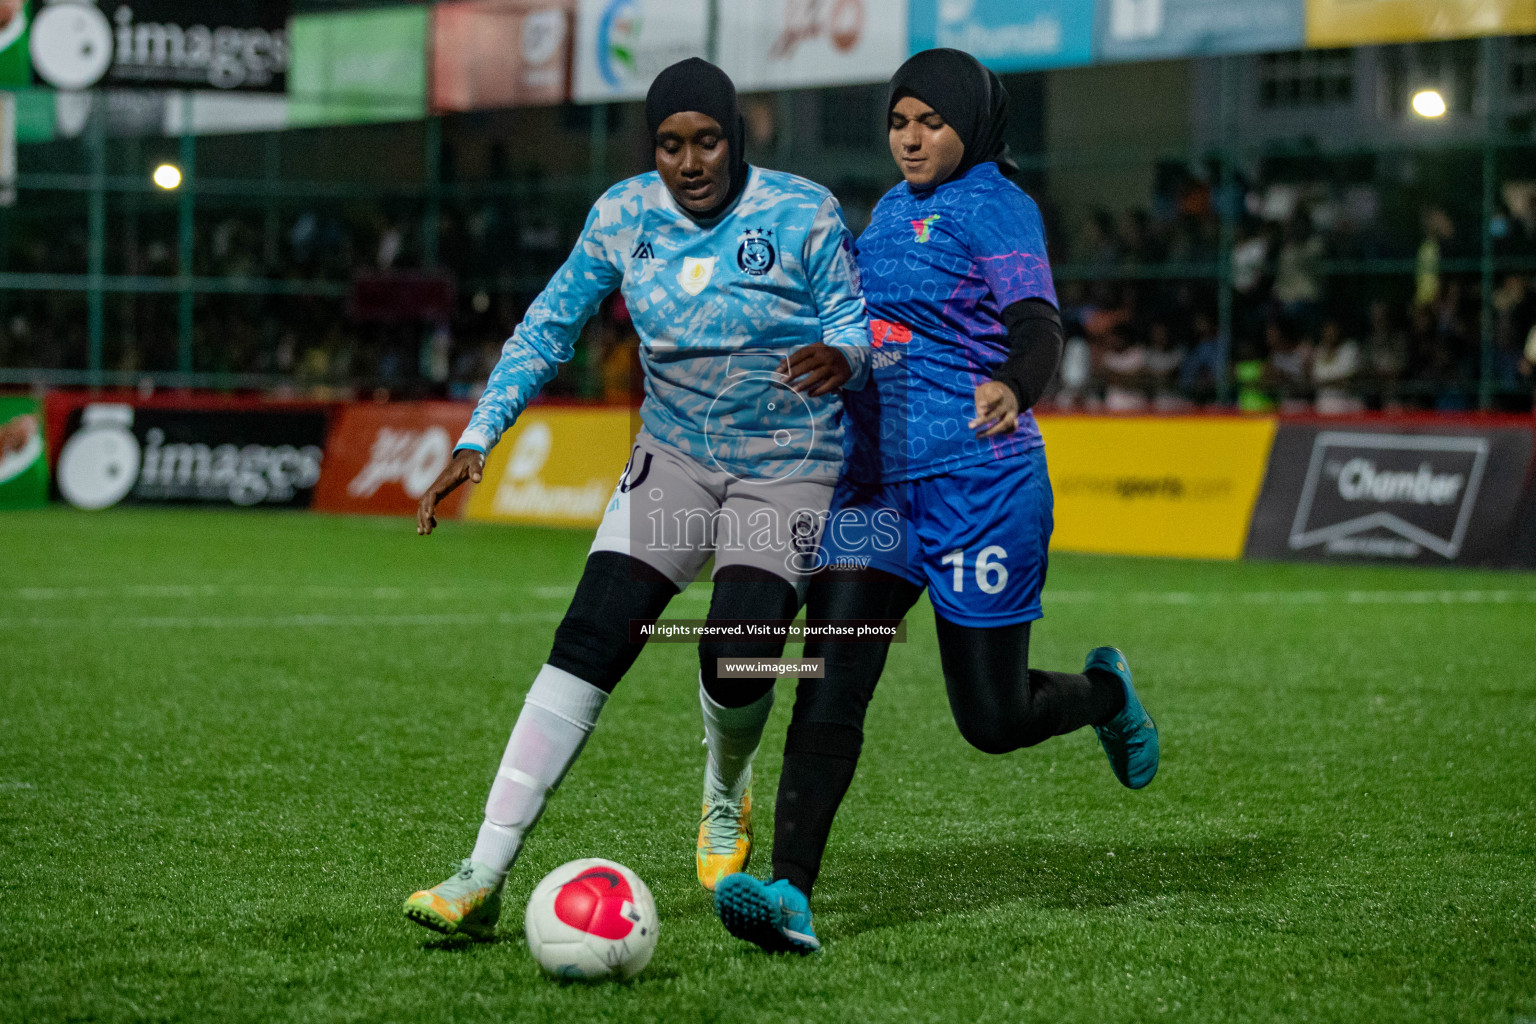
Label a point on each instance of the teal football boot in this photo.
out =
(775, 916)
(1130, 738)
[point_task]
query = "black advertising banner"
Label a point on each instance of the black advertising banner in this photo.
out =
(1525, 532)
(232, 45)
(1427, 493)
(116, 453)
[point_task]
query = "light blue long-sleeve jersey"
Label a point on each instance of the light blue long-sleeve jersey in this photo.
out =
(717, 306)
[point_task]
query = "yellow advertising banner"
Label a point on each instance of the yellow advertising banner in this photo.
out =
(1176, 486)
(1351, 22)
(555, 467)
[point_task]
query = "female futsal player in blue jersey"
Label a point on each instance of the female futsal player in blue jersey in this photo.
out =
(944, 487)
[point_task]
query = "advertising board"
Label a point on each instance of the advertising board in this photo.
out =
(1430, 493)
(23, 455)
(621, 45)
(774, 44)
(354, 67)
(1353, 22)
(556, 467)
(115, 452)
(234, 45)
(380, 459)
(501, 53)
(1007, 35)
(1174, 486)
(1160, 29)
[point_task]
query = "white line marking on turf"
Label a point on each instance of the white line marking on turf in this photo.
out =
(550, 593)
(1302, 597)
(259, 589)
(700, 593)
(272, 621)
(192, 591)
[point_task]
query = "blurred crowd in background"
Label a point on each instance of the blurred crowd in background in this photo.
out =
(1344, 297)
(1340, 302)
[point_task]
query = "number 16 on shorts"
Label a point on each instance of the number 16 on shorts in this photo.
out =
(991, 575)
(987, 585)
(985, 533)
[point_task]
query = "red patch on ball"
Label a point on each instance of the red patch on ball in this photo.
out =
(594, 902)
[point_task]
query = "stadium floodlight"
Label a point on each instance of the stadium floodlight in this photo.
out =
(167, 176)
(1428, 103)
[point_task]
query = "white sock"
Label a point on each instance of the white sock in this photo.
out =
(557, 717)
(733, 735)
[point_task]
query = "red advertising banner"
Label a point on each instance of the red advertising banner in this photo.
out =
(380, 459)
(500, 53)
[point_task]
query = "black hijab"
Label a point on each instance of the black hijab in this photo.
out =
(968, 96)
(697, 85)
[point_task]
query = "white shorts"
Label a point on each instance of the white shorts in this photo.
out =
(672, 513)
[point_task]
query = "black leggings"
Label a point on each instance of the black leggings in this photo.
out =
(594, 643)
(999, 704)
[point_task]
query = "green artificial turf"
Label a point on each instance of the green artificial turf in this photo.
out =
(232, 743)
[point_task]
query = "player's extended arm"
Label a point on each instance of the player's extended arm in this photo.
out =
(545, 339)
(841, 358)
(547, 335)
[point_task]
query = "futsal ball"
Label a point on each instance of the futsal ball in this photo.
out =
(591, 920)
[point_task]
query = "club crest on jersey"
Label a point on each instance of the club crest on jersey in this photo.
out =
(924, 226)
(696, 272)
(756, 255)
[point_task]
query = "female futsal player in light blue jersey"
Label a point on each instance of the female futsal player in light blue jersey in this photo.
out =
(742, 285)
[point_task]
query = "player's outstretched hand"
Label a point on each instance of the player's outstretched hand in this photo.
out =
(816, 370)
(997, 410)
(467, 464)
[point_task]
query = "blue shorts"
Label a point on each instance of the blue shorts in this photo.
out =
(976, 537)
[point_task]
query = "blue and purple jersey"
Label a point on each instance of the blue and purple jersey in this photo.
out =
(938, 269)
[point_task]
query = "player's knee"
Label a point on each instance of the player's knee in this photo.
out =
(989, 737)
(826, 739)
(751, 594)
(593, 642)
(591, 650)
(1002, 733)
(993, 733)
